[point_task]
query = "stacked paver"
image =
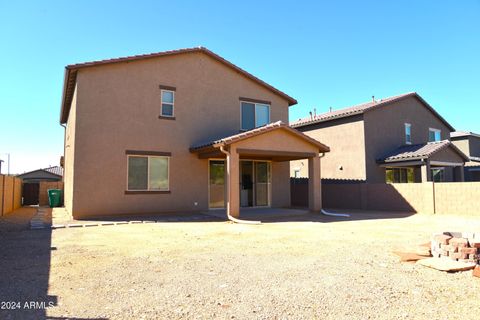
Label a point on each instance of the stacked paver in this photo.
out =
(458, 246)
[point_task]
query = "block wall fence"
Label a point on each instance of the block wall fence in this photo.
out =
(429, 197)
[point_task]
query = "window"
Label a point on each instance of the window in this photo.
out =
(434, 135)
(254, 115)
(408, 133)
(148, 173)
(438, 174)
(399, 175)
(168, 100)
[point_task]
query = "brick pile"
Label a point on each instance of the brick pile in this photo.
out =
(458, 246)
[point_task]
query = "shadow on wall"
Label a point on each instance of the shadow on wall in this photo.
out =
(356, 194)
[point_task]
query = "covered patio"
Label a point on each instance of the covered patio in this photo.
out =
(275, 143)
(439, 161)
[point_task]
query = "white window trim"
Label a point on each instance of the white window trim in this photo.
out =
(410, 127)
(255, 114)
(148, 172)
(169, 103)
(434, 130)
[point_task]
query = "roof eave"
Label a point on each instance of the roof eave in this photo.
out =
(383, 161)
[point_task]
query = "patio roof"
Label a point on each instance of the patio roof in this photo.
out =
(419, 152)
(211, 148)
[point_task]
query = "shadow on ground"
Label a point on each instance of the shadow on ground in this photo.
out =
(265, 215)
(25, 268)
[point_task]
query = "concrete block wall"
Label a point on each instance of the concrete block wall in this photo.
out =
(43, 190)
(457, 198)
(428, 197)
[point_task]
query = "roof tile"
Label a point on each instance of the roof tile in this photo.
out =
(419, 151)
(251, 133)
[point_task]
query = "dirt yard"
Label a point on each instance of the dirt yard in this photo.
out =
(312, 268)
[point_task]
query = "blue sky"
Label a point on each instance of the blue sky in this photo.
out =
(323, 53)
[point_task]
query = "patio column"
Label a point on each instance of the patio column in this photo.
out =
(461, 174)
(426, 172)
(233, 180)
(314, 184)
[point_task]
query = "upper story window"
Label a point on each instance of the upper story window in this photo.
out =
(148, 173)
(434, 135)
(408, 133)
(168, 101)
(254, 115)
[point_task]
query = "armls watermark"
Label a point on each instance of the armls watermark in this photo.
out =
(26, 305)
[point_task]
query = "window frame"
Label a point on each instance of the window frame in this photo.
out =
(148, 190)
(439, 169)
(434, 131)
(401, 171)
(263, 103)
(409, 126)
(169, 103)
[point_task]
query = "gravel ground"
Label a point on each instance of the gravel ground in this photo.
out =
(314, 268)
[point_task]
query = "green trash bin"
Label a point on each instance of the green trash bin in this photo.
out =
(54, 197)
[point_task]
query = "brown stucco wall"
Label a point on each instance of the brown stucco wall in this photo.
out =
(385, 131)
(69, 160)
(345, 138)
(470, 145)
(463, 144)
(447, 155)
(474, 146)
(117, 109)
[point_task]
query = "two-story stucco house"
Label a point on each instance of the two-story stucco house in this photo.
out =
(178, 131)
(469, 143)
(396, 139)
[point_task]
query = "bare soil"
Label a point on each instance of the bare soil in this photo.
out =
(310, 267)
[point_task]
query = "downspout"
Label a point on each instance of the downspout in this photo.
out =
(227, 197)
(64, 147)
(331, 214)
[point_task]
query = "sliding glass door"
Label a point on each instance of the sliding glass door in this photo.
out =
(255, 183)
(216, 184)
(262, 184)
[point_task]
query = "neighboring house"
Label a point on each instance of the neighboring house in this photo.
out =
(178, 131)
(31, 192)
(469, 143)
(397, 139)
(46, 174)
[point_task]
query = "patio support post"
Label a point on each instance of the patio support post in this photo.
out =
(314, 184)
(233, 180)
(461, 174)
(426, 172)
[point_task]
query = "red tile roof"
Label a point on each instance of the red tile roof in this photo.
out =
(56, 170)
(254, 132)
(362, 108)
(419, 151)
(71, 74)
